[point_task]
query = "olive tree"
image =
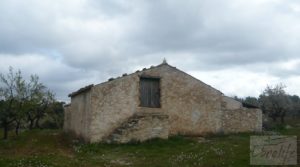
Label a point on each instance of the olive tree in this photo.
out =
(275, 102)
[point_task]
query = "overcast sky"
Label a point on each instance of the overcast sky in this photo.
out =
(236, 46)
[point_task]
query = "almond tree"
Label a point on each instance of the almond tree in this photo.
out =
(8, 95)
(37, 102)
(22, 102)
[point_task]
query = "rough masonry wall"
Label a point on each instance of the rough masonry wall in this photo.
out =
(237, 118)
(78, 116)
(229, 103)
(194, 108)
(112, 104)
(242, 120)
(67, 118)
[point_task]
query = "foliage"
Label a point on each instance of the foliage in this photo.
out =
(294, 109)
(25, 103)
(11, 90)
(252, 100)
(275, 102)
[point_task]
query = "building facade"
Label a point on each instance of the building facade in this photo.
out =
(155, 103)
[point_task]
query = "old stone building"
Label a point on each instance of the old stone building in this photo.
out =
(155, 103)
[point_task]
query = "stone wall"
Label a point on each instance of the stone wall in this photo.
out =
(236, 118)
(78, 116)
(112, 104)
(242, 120)
(140, 127)
(67, 118)
(229, 103)
(191, 106)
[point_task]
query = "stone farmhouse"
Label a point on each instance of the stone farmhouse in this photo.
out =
(155, 103)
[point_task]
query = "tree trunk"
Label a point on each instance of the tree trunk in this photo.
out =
(282, 117)
(274, 118)
(5, 131)
(37, 123)
(31, 121)
(17, 128)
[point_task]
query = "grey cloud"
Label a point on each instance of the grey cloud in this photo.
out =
(212, 30)
(101, 39)
(216, 34)
(111, 8)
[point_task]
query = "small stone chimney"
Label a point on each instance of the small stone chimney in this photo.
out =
(164, 61)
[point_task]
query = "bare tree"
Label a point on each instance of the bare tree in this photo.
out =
(22, 102)
(38, 100)
(8, 99)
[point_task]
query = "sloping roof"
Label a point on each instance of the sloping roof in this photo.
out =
(84, 89)
(81, 90)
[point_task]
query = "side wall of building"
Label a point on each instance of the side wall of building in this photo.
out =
(67, 118)
(78, 116)
(112, 103)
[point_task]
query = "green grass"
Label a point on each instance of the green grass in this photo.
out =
(53, 148)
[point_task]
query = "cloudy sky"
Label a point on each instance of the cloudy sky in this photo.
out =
(238, 47)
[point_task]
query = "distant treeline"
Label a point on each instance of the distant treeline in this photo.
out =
(275, 103)
(27, 104)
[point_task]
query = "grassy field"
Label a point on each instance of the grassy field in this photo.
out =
(44, 148)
